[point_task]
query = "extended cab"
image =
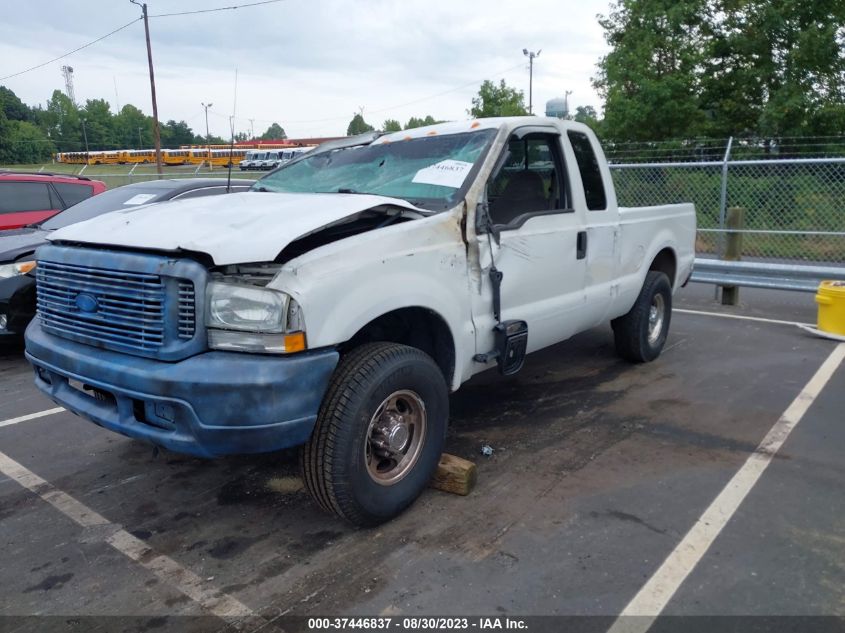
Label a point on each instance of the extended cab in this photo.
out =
(337, 305)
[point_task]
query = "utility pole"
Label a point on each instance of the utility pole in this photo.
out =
(251, 129)
(531, 55)
(566, 104)
(156, 131)
(140, 142)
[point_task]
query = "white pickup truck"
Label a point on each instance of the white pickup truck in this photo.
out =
(337, 304)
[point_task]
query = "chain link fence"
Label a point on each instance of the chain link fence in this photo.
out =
(794, 210)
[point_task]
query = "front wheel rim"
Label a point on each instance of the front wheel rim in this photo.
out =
(395, 437)
(656, 317)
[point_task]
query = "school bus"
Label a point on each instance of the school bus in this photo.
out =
(175, 156)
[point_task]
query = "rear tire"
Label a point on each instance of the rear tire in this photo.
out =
(641, 334)
(379, 433)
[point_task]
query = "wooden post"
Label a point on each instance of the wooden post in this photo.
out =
(454, 475)
(735, 222)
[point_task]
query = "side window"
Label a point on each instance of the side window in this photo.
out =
(530, 179)
(72, 194)
(588, 166)
(24, 196)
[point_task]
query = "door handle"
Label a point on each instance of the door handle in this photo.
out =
(581, 245)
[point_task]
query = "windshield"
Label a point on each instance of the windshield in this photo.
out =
(428, 171)
(105, 202)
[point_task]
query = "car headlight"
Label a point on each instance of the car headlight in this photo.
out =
(18, 268)
(252, 319)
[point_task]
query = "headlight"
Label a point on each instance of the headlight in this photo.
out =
(18, 268)
(251, 319)
(234, 307)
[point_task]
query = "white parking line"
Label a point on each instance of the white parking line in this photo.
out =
(656, 593)
(168, 570)
(741, 317)
(31, 416)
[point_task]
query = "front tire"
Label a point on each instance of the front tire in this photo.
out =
(379, 433)
(641, 334)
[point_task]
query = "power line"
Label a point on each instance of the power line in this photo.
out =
(230, 8)
(76, 50)
(380, 110)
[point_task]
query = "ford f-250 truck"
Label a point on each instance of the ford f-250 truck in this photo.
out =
(337, 304)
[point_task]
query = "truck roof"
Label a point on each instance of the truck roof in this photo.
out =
(471, 125)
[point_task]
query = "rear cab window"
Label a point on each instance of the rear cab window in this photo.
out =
(588, 167)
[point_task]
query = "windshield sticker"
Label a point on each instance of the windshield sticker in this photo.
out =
(446, 173)
(141, 198)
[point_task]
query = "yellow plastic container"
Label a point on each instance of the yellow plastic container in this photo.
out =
(831, 300)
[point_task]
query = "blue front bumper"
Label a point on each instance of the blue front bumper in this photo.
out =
(216, 403)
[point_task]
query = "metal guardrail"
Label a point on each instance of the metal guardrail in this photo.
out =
(764, 275)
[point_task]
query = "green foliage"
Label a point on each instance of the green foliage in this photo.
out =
(133, 129)
(62, 123)
(274, 132)
(686, 68)
(415, 122)
(14, 108)
(498, 100)
(391, 125)
(358, 126)
(99, 124)
(649, 80)
(176, 133)
(588, 116)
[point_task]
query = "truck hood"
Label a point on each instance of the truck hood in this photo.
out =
(232, 228)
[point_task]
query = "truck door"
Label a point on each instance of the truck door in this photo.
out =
(534, 234)
(602, 220)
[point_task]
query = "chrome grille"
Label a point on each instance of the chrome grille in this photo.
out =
(124, 309)
(187, 310)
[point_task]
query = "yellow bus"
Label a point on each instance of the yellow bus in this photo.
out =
(103, 158)
(141, 156)
(175, 156)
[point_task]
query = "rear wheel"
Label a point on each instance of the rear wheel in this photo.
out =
(379, 434)
(641, 334)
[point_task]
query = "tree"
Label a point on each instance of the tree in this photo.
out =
(274, 132)
(776, 68)
(133, 128)
(358, 126)
(588, 116)
(13, 107)
(651, 78)
(498, 100)
(174, 134)
(99, 124)
(62, 123)
(415, 122)
(391, 125)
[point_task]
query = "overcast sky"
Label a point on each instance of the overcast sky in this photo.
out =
(307, 64)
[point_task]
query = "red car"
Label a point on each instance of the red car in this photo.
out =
(27, 198)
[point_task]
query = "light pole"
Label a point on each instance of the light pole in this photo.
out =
(207, 135)
(531, 55)
(85, 136)
(566, 104)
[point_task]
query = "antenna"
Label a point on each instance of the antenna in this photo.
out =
(67, 71)
(232, 129)
(116, 98)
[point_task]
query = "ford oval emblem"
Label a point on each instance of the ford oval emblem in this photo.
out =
(86, 302)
